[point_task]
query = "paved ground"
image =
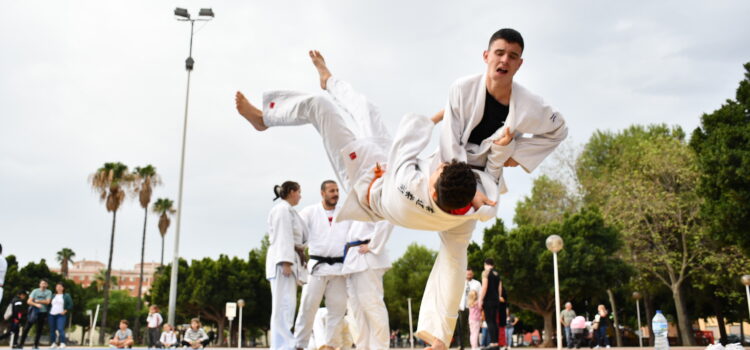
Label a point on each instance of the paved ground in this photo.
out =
(614, 348)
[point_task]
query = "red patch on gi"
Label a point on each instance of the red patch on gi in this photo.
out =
(353, 155)
(272, 104)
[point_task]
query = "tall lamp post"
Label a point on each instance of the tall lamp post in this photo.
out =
(555, 244)
(181, 14)
(241, 304)
(637, 296)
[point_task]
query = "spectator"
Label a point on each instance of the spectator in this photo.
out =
(511, 321)
(490, 299)
(61, 304)
(154, 321)
(123, 337)
(463, 316)
(601, 323)
(475, 318)
(567, 316)
(39, 301)
(14, 322)
(168, 337)
(195, 337)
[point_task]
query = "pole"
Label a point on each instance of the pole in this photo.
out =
(176, 257)
(411, 333)
(93, 327)
(747, 291)
(229, 338)
(557, 302)
(640, 331)
(239, 331)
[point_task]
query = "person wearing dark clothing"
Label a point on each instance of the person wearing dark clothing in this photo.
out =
(602, 323)
(490, 300)
(18, 306)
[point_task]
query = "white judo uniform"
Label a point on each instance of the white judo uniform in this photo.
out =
(286, 230)
(365, 283)
(340, 337)
(3, 270)
(326, 248)
(401, 196)
(528, 114)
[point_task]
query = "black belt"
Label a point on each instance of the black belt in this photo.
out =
(354, 244)
(326, 259)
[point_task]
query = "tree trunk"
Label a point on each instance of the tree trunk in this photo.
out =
(161, 262)
(107, 278)
(549, 329)
(64, 267)
(722, 325)
(613, 306)
(683, 320)
(139, 305)
(221, 333)
(648, 307)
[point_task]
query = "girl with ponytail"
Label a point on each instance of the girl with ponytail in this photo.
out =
(285, 262)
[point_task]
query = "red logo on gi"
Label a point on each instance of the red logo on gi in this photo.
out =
(272, 104)
(353, 155)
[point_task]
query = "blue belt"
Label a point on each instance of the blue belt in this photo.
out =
(354, 244)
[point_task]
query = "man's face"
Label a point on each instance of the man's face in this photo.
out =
(330, 194)
(123, 326)
(568, 306)
(42, 285)
(503, 60)
(469, 275)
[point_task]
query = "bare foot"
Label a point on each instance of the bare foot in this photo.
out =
(438, 345)
(247, 110)
(320, 64)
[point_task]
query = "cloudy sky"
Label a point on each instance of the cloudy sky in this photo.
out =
(88, 82)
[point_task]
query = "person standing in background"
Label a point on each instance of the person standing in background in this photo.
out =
(154, 320)
(39, 300)
(567, 316)
(61, 304)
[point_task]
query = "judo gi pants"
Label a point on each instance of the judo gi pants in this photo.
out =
(283, 302)
(328, 114)
(442, 294)
(334, 289)
(365, 291)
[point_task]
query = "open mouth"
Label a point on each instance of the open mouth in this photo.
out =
(502, 71)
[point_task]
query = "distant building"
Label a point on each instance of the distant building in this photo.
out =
(84, 273)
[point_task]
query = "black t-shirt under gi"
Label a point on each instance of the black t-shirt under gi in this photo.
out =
(494, 117)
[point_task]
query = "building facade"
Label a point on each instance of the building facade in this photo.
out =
(84, 272)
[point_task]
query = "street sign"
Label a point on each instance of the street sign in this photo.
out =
(231, 310)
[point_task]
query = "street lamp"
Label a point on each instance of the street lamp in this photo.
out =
(183, 15)
(637, 296)
(241, 304)
(555, 244)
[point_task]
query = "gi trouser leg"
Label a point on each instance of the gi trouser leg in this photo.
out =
(283, 301)
(442, 294)
(365, 291)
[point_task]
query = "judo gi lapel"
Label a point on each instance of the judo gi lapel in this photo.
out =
(476, 108)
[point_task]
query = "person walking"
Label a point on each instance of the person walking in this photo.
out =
(510, 326)
(60, 306)
(39, 301)
(14, 322)
(601, 323)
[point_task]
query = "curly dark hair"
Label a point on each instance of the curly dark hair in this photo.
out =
(456, 186)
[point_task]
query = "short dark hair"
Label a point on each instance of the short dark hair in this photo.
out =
(456, 186)
(1, 248)
(489, 261)
(326, 182)
(125, 322)
(511, 36)
(285, 189)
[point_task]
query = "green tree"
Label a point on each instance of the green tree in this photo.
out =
(406, 279)
(144, 180)
(644, 180)
(64, 257)
(121, 307)
(549, 202)
(588, 264)
(164, 208)
(111, 181)
(722, 144)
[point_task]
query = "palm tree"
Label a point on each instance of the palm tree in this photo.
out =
(111, 181)
(64, 257)
(145, 179)
(101, 276)
(163, 208)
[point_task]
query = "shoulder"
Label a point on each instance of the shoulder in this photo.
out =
(465, 81)
(308, 210)
(485, 274)
(525, 97)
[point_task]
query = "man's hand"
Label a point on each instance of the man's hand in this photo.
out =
(286, 269)
(511, 163)
(505, 139)
(364, 249)
(437, 118)
(480, 199)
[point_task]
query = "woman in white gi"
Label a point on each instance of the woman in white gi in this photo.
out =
(284, 262)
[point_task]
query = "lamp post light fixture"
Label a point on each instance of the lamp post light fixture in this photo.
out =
(182, 14)
(555, 244)
(241, 304)
(637, 296)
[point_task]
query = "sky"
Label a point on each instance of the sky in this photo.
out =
(90, 82)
